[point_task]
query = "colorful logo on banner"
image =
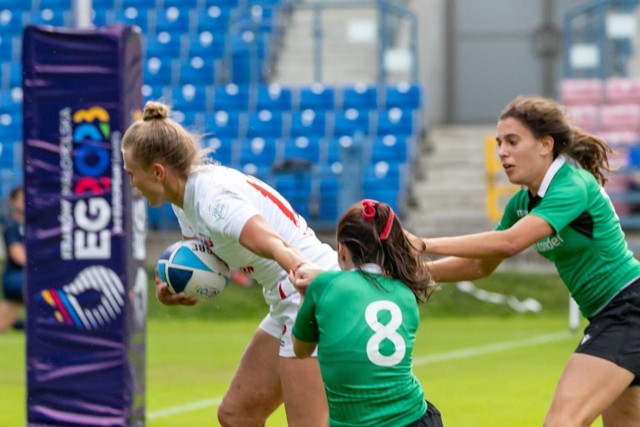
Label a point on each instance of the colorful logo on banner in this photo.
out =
(95, 298)
(90, 162)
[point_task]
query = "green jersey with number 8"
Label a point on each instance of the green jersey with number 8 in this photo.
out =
(365, 330)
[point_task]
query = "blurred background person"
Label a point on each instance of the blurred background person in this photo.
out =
(13, 275)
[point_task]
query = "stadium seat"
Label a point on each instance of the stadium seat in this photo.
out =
(224, 150)
(11, 75)
(183, 4)
(10, 21)
(303, 148)
(308, 123)
(131, 16)
(143, 4)
(386, 182)
(395, 121)
(158, 72)
(274, 97)
(620, 118)
(331, 152)
(8, 47)
(162, 45)
(104, 4)
(172, 20)
(215, 19)
(329, 185)
(16, 6)
(258, 151)
(55, 17)
(50, 4)
(391, 148)
(295, 187)
(351, 122)
(197, 70)
(581, 91)
(205, 44)
(264, 123)
(248, 53)
(622, 90)
(223, 124)
(231, 97)
(99, 16)
(402, 95)
(189, 97)
(360, 96)
(586, 117)
(224, 4)
(316, 97)
(620, 138)
(153, 93)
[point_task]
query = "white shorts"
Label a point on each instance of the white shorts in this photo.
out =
(282, 315)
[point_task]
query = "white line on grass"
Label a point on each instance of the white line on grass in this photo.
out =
(418, 361)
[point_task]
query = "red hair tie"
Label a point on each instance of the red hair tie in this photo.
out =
(369, 214)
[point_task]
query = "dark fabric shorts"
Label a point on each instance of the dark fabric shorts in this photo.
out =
(12, 284)
(614, 333)
(431, 418)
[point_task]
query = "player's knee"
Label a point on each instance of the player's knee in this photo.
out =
(230, 416)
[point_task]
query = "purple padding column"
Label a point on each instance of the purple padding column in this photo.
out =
(85, 231)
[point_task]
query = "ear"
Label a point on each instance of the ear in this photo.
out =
(546, 145)
(158, 171)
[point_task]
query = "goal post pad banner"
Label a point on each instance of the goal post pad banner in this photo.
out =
(85, 229)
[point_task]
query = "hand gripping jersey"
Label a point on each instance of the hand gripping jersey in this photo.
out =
(218, 202)
(588, 247)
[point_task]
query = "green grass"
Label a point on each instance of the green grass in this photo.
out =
(192, 352)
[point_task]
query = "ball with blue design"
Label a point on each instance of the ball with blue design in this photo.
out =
(189, 266)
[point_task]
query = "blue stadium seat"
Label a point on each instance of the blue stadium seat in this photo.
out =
(55, 17)
(7, 158)
(331, 152)
(329, 192)
(131, 16)
(11, 75)
(153, 93)
(215, 19)
(197, 70)
(403, 95)
(386, 182)
(302, 147)
(264, 123)
(51, 4)
(183, 4)
(172, 20)
(188, 119)
(360, 96)
(295, 187)
(11, 100)
(223, 124)
(317, 97)
(260, 152)
(308, 123)
(391, 148)
(143, 4)
(351, 122)
(224, 150)
(205, 44)
(7, 45)
(158, 72)
(224, 4)
(189, 97)
(99, 16)
(10, 21)
(274, 97)
(248, 53)
(396, 121)
(231, 97)
(162, 45)
(15, 6)
(104, 4)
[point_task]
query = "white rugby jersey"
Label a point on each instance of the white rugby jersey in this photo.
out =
(218, 202)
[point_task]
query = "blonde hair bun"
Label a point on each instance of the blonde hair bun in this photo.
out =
(155, 110)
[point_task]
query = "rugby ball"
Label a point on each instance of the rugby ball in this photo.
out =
(189, 266)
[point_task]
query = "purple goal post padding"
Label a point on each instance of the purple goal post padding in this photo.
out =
(85, 230)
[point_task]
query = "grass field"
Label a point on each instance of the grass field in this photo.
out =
(481, 364)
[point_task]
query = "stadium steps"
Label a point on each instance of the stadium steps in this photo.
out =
(345, 62)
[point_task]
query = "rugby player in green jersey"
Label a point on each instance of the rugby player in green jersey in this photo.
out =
(564, 211)
(363, 321)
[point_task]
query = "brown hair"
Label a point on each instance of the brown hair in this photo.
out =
(544, 117)
(397, 257)
(158, 138)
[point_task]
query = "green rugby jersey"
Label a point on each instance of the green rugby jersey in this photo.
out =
(365, 335)
(588, 248)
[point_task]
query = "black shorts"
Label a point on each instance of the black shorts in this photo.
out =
(431, 418)
(614, 333)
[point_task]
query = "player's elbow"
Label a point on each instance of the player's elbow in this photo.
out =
(302, 349)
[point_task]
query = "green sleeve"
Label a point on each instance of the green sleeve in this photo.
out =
(561, 205)
(306, 326)
(510, 216)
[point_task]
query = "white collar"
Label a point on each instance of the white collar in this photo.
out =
(370, 268)
(551, 172)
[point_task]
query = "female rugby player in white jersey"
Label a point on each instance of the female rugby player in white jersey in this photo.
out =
(252, 228)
